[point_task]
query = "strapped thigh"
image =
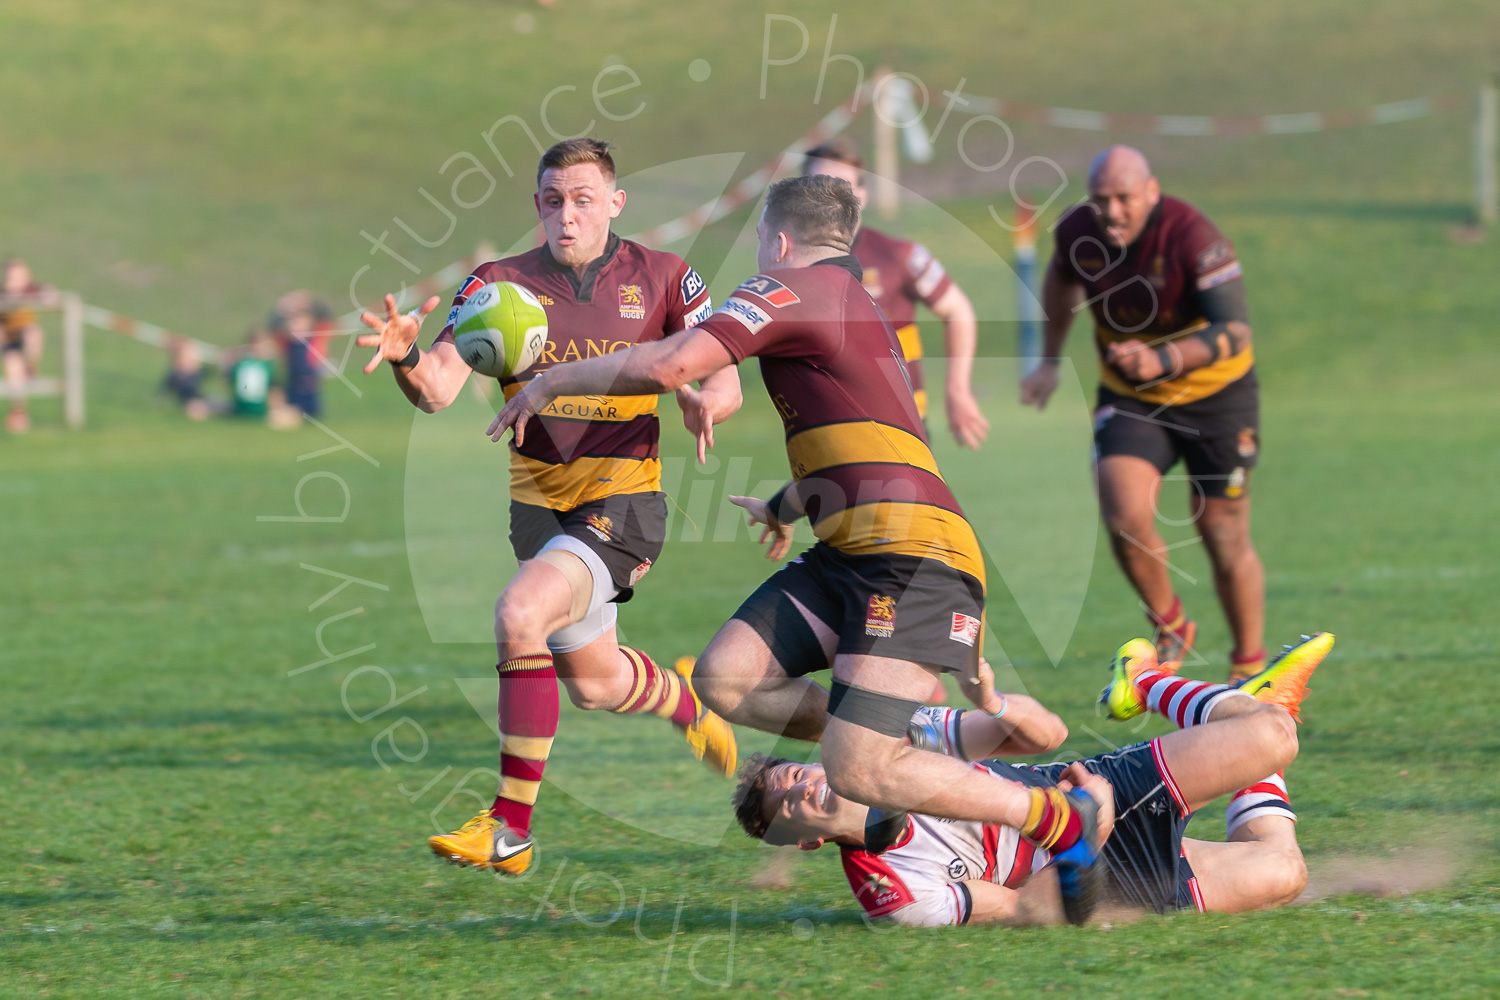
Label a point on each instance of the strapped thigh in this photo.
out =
(881, 713)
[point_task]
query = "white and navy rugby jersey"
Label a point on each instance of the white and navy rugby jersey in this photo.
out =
(920, 880)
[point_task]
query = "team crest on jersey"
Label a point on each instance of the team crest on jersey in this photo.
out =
(965, 629)
(1158, 272)
(880, 616)
(692, 286)
(632, 302)
(769, 289)
(601, 526)
(639, 571)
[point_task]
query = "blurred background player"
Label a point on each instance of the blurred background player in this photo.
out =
(1176, 381)
(942, 873)
(301, 325)
(184, 378)
(21, 336)
(898, 274)
(587, 515)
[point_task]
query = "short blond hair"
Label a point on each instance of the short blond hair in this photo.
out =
(575, 152)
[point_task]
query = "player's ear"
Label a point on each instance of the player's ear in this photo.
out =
(783, 247)
(536, 199)
(811, 845)
(616, 202)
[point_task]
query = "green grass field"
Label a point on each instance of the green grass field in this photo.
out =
(185, 816)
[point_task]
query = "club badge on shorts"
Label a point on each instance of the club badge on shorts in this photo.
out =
(601, 526)
(965, 629)
(880, 616)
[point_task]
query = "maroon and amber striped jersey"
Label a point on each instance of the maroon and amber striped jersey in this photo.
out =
(1150, 291)
(898, 274)
(833, 368)
(584, 448)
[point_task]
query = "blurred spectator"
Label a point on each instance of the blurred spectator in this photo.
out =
(302, 325)
(252, 375)
(184, 379)
(21, 335)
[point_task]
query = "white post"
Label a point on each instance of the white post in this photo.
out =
(1485, 186)
(887, 159)
(73, 360)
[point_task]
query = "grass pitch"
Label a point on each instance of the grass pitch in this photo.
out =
(186, 817)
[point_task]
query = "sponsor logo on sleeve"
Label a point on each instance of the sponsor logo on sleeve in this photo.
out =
(1217, 264)
(692, 286)
(773, 291)
(880, 616)
(699, 315)
(751, 316)
(632, 302)
(453, 315)
(965, 629)
(471, 285)
(1213, 279)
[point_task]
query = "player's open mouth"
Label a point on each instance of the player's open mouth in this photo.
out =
(823, 796)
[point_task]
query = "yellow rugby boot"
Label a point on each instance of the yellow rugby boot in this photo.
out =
(485, 842)
(1121, 698)
(710, 737)
(1284, 682)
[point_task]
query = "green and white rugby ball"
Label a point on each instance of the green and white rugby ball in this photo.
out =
(500, 330)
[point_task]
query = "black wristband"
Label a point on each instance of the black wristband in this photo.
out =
(412, 357)
(1169, 362)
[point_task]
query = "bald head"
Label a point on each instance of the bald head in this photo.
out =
(1123, 192)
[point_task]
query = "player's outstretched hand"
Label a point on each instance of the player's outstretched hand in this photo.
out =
(698, 418)
(1039, 386)
(395, 334)
(531, 400)
(1100, 790)
(982, 689)
(969, 425)
(778, 534)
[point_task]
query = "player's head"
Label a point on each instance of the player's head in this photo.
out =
(16, 276)
(838, 157)
(786, 802)
(576, 198)
(1123, 192)
(805, 220)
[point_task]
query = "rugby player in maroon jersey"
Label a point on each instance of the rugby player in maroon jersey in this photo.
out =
(898, 274)
(587, 515)
(1176, 381)
(1229, 741)
(892, 594)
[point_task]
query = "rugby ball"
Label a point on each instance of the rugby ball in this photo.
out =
(500, 330)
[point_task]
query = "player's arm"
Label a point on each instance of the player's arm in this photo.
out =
(716, 399)
(643, 370)
(1227, 334)
(430, 379)
(961, 339)
(1062, 298)
(990, 903)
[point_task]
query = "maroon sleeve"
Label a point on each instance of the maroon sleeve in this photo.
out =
(764, 318)
(475, 281)
(1072, 229)
(924, 277)
(688, 303)
(1207, 256)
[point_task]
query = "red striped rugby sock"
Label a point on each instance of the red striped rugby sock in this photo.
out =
(656, 691)
(1183, 700)
(1267, 797)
